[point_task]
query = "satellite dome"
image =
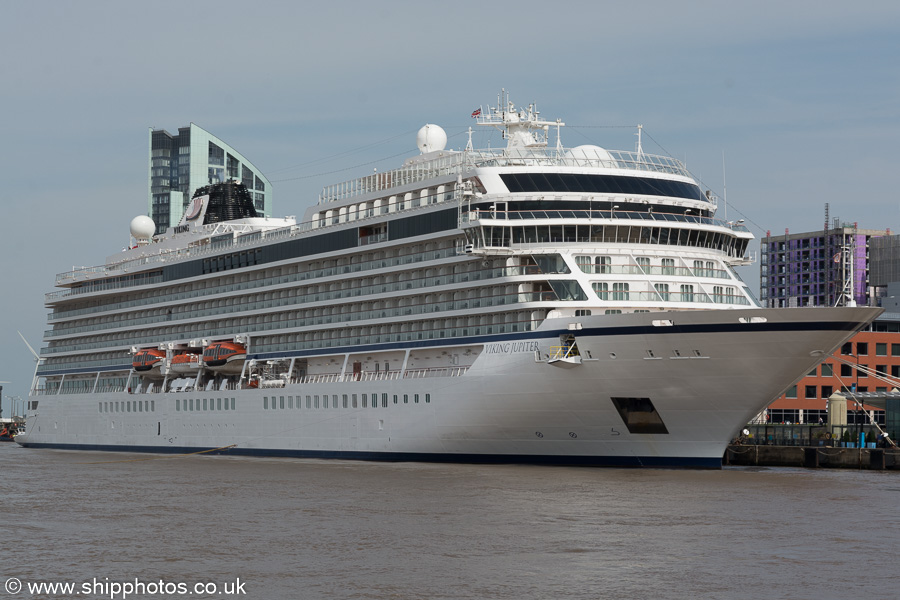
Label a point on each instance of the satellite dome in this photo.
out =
(592, 153)
(431, 138)
(142, 227)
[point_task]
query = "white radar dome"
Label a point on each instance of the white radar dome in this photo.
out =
(431, 138)
(142, 227)
(589, 154)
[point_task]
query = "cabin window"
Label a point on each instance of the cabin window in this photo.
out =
(663, 290)
(644, 263)
(620, 291)
(602, 264)
(668, 266)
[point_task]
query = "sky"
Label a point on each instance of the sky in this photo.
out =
(792, 104)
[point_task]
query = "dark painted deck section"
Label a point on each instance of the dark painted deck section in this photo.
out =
(877, 459)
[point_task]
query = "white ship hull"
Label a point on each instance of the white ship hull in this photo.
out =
(706, 374)
(526, 304)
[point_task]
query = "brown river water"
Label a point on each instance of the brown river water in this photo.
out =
(289, 528)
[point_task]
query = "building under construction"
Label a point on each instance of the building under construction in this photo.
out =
(818, 268)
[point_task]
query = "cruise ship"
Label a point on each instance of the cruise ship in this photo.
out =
(531, 303)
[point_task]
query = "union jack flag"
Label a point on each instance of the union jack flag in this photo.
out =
(476, 112)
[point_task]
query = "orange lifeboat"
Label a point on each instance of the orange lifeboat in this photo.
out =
(144, 360)
(225, 357)
(185, 364)
(148, 361)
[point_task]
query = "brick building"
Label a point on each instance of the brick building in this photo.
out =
(877, 348)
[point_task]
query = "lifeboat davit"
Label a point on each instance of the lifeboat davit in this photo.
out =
(225, 357)
(187, 363)
(148, 362)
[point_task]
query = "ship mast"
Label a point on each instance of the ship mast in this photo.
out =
(521, 128)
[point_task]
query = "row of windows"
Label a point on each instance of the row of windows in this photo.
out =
(398, 229)
(297, 272)
(812, 392)
(383, 206)
(621, 291)
(127, 406)
(290, 298)
(827, 370)
(862, 349)
(393, 332)
(642, 266)
(801, 416)
(600, 184)
(188, 404)
(345, 401)
(502, 236)
(793, 415)
(237, 308)
(407, 306)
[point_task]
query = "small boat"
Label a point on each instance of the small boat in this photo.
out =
(148, 361)
(187, 363)
(225, 357)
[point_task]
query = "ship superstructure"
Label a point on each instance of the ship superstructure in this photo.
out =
(531, 303)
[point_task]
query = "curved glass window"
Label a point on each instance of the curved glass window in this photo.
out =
(600, 184)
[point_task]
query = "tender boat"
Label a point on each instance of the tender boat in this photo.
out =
(148, 362)
(225, 357)
(186, 363)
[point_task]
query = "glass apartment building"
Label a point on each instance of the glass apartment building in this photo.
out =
(179, 164)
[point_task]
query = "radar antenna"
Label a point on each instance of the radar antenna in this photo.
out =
(522, 128)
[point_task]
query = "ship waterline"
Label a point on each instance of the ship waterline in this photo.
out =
(529, 304)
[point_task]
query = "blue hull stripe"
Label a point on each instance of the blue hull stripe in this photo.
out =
(536, 459)
(530, 335)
